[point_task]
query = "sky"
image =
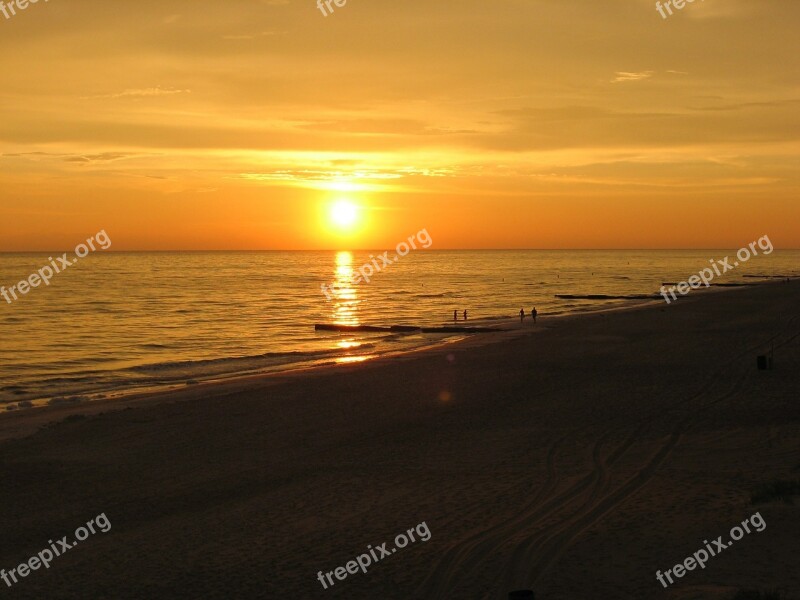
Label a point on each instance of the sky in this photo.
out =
(197, 124)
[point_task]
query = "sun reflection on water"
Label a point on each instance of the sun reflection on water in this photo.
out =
(354, 359)
(345, 307)
(348, 344)
(345, 299)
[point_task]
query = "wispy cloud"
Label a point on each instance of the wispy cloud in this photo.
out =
(252, 36)
(102, 157)
(140, 93)
(357, 180)
(622, 76)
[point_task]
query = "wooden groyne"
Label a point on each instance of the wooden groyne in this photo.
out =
(607, 297)
(401, 329)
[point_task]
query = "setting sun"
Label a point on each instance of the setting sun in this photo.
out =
(344, 214)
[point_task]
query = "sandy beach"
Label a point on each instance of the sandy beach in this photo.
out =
(575, 458)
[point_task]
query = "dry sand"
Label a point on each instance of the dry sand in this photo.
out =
(576, 459)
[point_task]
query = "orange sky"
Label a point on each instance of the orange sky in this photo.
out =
(516, 123)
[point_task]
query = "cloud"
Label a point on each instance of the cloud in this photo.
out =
(140, 93)
(355, 180)
(102, 157)
(252, 36)
(20, 154)
(745, 105)
(387, 126)
(632, 76)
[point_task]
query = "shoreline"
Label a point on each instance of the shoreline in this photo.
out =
(242, 382)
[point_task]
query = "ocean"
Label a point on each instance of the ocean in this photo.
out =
(117, 322)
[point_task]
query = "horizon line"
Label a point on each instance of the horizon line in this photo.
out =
(217, 250)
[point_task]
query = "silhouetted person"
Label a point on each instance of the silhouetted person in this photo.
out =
(533, 314)
(455, 315)
(521, 315)
(465, 314)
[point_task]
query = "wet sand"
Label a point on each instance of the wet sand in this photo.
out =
(575, 458)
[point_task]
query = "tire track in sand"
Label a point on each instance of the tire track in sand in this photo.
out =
(535, 554)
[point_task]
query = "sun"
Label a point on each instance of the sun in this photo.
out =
(344, 214)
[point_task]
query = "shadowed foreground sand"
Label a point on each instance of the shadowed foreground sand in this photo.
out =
(576, 461)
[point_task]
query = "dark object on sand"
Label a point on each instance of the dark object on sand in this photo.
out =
(764, 363)
(521, 595)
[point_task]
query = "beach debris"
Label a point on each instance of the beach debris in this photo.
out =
(765, 362)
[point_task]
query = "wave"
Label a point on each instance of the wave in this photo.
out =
(233, 360)
(442, 295)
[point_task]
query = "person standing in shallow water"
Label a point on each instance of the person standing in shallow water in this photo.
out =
(455, 315)
(533, 315)
(521, 315)
(465, 314)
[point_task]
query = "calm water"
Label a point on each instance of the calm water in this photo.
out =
(118, 321)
